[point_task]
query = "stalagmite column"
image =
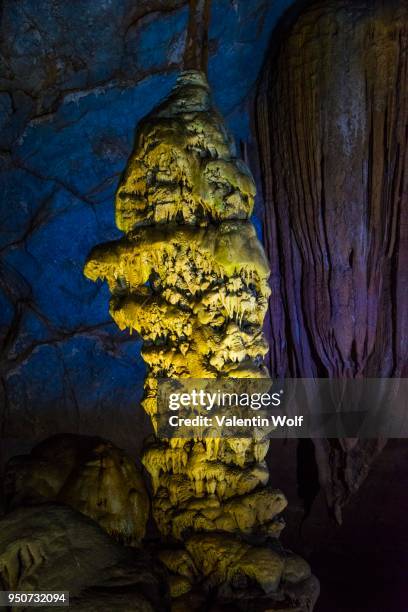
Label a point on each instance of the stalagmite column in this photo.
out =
(190, 277)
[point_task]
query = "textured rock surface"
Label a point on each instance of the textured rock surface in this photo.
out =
(196, 295)
(190, 277)
(184, 166)
(75, 79)
(332, 112)
(54, 548)
(89, 474)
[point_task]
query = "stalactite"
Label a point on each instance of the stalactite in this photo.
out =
(196, 50)
(331, 113)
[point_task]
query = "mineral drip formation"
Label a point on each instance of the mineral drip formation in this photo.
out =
(191, 278)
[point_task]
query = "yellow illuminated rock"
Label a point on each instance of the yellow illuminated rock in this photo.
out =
(184, 167)
(191, 278)
(87, 473)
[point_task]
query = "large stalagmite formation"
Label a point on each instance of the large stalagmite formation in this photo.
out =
(332, 114)
(191, 278)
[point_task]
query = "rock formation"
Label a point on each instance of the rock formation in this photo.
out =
(75, 79)
(87, 473)
(52, 547)
(332, 111)
(190, 277)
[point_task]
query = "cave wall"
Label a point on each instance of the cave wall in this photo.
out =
(331, 113)
(75, 79)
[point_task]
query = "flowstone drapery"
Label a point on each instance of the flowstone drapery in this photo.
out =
(190, 277)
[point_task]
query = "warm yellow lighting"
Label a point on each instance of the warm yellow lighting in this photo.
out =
(191, 278)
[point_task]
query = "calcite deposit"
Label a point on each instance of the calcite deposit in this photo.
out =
(87, 473)
(191, 277)
(51, 547)
(332, 113)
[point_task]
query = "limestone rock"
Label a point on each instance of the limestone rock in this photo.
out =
(87, 473)
(228, 560)
(296, 569)
(179, 562)
(332, 110)
(191, 278)
(184, 164)
(53, 547)
(179, 585)
(197, 294)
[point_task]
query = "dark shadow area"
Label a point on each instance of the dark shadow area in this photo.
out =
(361, 564)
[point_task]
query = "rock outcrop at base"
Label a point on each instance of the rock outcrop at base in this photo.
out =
(87, 473)
(52, 547)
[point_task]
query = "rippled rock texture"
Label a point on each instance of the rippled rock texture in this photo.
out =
(332, 111)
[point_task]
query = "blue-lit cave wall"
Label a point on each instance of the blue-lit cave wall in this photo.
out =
(75, 79)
